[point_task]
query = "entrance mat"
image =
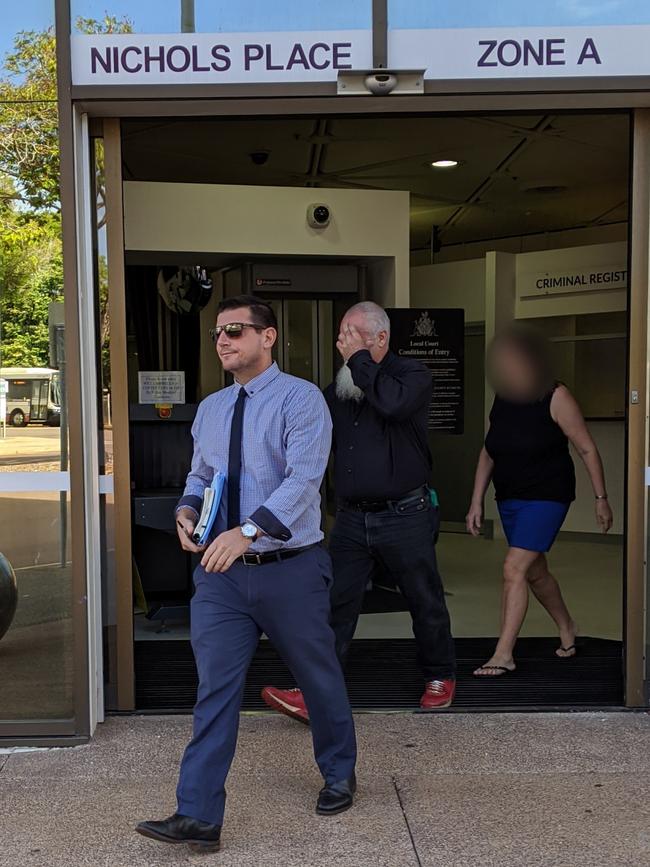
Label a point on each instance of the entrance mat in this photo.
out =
(383, 675)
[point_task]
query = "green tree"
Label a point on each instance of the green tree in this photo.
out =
(29, 131)
(31, 274)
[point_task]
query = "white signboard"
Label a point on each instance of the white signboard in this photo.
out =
(4, 387)
(523, 52)
(568, 282)
(161, 386)
(217, 58)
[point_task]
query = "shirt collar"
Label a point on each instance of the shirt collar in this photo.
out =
(260, 381)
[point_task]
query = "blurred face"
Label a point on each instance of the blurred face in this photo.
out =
(376, 344)
(512, 375)
(247, 353)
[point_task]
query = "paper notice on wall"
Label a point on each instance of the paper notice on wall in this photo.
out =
(161, 386)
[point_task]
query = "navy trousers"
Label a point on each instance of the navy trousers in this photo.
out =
(289, 602)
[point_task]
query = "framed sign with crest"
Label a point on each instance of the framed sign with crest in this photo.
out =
(436, 338)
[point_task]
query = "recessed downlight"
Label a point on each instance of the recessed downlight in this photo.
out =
(444, 164)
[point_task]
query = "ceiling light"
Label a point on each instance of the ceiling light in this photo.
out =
(444, 164)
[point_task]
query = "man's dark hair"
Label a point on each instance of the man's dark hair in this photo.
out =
(261, 311)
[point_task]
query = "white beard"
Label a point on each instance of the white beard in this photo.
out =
(345, 387)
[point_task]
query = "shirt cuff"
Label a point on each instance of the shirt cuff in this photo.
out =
(359, 355)
(190, 501)
(269, 524)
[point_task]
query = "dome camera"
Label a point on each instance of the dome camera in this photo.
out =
(319, 216)
(259, 158)
(381, 83)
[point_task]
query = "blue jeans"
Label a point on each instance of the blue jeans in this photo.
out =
(289, 601)
(401, 542)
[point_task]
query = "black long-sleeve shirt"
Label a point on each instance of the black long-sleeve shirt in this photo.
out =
(380, 443)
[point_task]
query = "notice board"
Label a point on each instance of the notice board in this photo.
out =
(436, 338)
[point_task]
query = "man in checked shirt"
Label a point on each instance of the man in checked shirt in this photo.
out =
(264, 571)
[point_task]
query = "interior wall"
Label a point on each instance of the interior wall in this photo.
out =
(455, 284)
(609, 437)
(536, 242)
(219, 218)
(210, 371)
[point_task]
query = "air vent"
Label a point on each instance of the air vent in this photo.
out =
(546, 189)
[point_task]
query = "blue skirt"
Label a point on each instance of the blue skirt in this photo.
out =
(532, 524)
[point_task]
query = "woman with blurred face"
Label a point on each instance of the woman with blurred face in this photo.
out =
(526, 455)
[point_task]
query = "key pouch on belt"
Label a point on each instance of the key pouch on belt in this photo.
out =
(433, 497)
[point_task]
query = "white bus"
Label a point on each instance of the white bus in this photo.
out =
(33, 395)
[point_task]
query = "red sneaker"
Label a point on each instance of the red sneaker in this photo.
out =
(437, 694)
(287, 701)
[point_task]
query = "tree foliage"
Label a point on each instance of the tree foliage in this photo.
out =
(31, 276)
(31, 272)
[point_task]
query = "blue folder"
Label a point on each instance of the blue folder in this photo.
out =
(210, 510)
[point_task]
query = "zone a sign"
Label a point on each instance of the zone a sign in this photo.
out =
(204, 58)
(523, 52)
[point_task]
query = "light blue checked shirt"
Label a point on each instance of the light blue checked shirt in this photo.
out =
(286, 442)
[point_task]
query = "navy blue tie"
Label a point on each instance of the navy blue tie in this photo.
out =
(234, 461)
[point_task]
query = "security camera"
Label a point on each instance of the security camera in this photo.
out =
(319, 216)
(259, 158)
(381, 83)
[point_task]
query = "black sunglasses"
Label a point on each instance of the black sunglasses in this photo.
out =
(233, 329)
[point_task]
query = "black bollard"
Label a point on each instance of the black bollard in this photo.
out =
(8, 594)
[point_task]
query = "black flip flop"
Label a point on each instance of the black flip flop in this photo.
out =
(501, 668)
(567, 650)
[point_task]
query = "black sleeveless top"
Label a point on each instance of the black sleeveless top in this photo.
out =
(530, 453)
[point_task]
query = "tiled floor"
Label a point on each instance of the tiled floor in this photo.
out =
(590, 574)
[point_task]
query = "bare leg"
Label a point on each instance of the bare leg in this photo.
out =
(513, 610)
(548, 592)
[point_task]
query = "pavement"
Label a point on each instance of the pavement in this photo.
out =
(458, 790)
(29, 444)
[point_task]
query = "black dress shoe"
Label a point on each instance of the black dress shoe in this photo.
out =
(200, 836)
(335, 798)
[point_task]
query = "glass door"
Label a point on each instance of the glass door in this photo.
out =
(307, 331)
(38, 410)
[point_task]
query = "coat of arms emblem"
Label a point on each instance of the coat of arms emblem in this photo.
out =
(425, 326)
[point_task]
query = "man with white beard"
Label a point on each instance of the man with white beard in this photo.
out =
(385, 518)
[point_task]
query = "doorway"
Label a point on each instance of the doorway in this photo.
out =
(525, 186)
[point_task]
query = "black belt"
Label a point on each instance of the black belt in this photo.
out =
(385, 505)
(252, 559)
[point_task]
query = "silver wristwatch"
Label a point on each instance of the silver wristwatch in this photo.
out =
(249, 531)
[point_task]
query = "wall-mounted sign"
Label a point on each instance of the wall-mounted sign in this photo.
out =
(161, 386)
(217, 58)
(272, 281)
(437, 339)
(523, 52)
(569, 282)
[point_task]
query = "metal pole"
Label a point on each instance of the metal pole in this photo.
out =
(63, 495)
(187, 16)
